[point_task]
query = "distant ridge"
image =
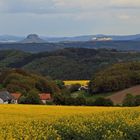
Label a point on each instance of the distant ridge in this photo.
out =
(33, 38)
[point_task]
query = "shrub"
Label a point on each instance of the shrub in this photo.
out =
(22, 100)
(58, 99)
(103, 102)
(129, 100)
(60, 84)
(74, 87)
(90, 102)
(137, 100)
(31, 98)
(79, 101)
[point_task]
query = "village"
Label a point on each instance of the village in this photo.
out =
(13, 98)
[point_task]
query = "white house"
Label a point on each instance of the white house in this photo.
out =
(5, 97)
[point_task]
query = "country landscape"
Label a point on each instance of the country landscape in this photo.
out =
(69, 70)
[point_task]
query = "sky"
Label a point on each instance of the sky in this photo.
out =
(69, 17)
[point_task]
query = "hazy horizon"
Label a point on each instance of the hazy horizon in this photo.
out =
(60, 18)
(59, 36)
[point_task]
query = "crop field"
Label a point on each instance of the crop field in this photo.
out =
(82, 82)
(28, 122)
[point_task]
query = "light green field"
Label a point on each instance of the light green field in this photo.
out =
(28, 122)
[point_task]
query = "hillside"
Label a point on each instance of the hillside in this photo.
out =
(115, 78)
(66, 64)
(18, 80)
(11, 38)
(30, 46)
(118, 97)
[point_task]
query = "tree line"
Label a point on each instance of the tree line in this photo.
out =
(116, 77)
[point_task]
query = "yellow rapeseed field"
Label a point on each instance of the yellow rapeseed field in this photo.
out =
(82, 82)
(28, 122)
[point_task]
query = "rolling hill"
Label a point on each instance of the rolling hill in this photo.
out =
(66, 64)
(35, 46)
(11, 38)
(118, 97)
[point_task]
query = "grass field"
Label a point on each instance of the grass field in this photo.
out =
(25, 122)
(82, 82)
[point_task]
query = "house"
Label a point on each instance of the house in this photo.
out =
(85, 88)
(5, 97)
(16, 97)
(45, 97)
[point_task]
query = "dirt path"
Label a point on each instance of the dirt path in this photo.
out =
(118, 97)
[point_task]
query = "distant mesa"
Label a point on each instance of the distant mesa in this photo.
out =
(33, 38)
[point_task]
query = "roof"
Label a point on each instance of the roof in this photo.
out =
(16, 96)
(45, 96)
(5, 96)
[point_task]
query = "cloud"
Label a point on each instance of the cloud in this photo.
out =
(69, 16)
(124, 17)
(26, 6)
(63, 6)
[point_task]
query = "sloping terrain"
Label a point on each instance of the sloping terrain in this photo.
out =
(118, 97)
(66, 64)
(30, 46)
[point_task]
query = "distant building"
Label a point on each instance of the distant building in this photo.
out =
(102, 39)
(85, 88)
(16, 97)
(5, 97)
(45, 97)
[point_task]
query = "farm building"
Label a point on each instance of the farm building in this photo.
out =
(45, 97)
(5, 97)
(85, 88)
(16, 97)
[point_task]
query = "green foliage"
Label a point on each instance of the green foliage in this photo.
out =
(22, 81)
(137, 100)
(116, 77)
(1, 86)
(60, 84)
(103, 102)
(50, 103)
(22, 100)
(31, 98)
(59, 99)
(66, 64)
(131, 100)
(90, 102)
(74, 87)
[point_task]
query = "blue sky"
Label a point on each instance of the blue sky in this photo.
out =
(69, 17)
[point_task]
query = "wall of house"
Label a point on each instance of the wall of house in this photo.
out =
(43, 101)
(14, 101)
(6, 102)
(1, 101)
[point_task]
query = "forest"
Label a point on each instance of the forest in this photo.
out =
(116, 77)
(66, 64)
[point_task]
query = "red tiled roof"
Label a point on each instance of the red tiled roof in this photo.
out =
(16, 95)
(45, 96)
